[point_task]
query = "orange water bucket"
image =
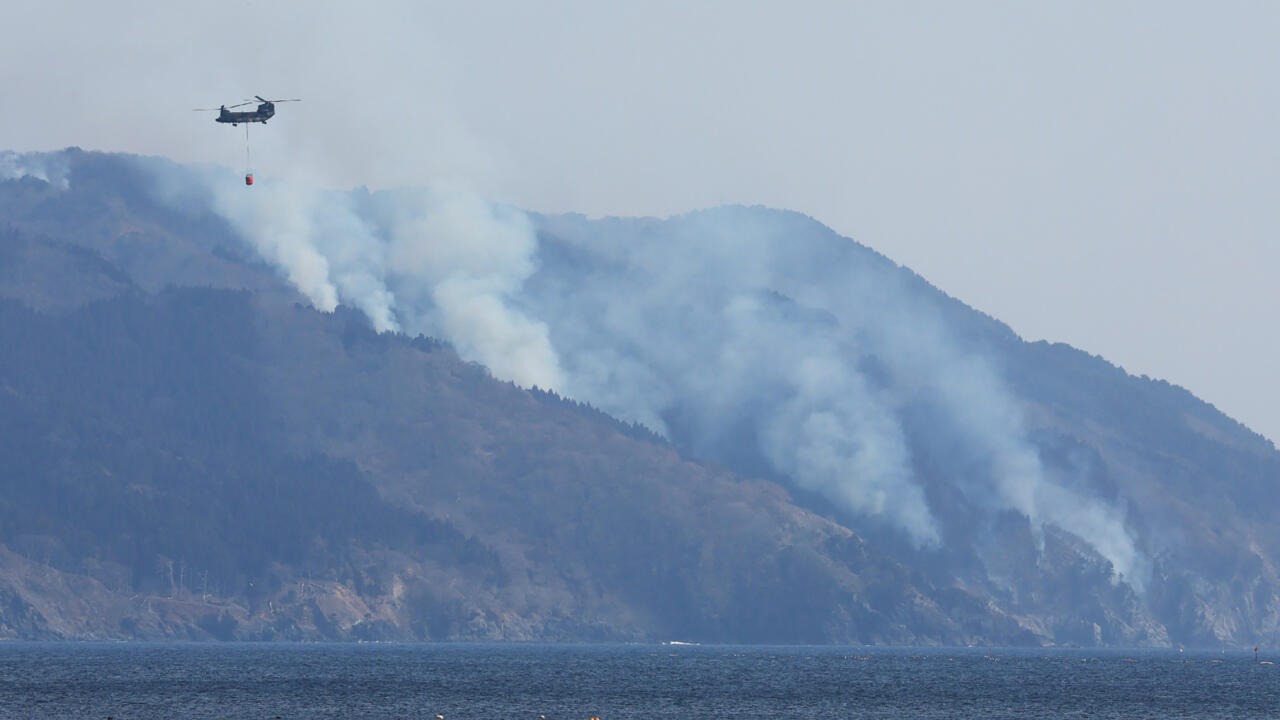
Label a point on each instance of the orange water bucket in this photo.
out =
(248, 179)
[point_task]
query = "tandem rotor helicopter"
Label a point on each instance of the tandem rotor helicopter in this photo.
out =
(265, 111)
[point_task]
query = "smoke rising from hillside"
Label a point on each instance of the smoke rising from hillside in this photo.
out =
(435, 262)
(744, 326)
(49, 167)
(750, 337)
(458, 264)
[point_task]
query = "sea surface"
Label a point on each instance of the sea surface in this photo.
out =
(612, 682)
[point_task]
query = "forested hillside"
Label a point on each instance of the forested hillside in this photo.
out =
(405, 415)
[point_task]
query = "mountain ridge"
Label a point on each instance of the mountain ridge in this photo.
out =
(494, 510)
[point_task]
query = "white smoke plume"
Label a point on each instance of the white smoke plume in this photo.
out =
(457, 262)
(742, 334)
(48, 167)
(738, 326)
(988, 420)
(438, 262)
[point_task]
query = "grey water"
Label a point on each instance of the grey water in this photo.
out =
(612, 682)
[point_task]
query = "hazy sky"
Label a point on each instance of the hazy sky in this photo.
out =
(1098, 173)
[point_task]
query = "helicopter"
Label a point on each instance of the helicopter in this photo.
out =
(266, 110)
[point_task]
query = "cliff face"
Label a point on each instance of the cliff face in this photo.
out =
(189, 449)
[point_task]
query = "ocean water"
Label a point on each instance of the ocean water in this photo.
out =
(612, 682)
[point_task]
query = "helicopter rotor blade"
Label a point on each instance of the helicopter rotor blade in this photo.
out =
(243, 103)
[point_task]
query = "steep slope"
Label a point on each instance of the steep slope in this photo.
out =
(811, 443)
(206, 463)
(1092, 505)
(160, 461)
(1200, 486)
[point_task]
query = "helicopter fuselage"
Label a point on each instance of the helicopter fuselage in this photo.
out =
(264, 112)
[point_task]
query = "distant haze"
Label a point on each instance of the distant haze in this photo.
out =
(1098, 174)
